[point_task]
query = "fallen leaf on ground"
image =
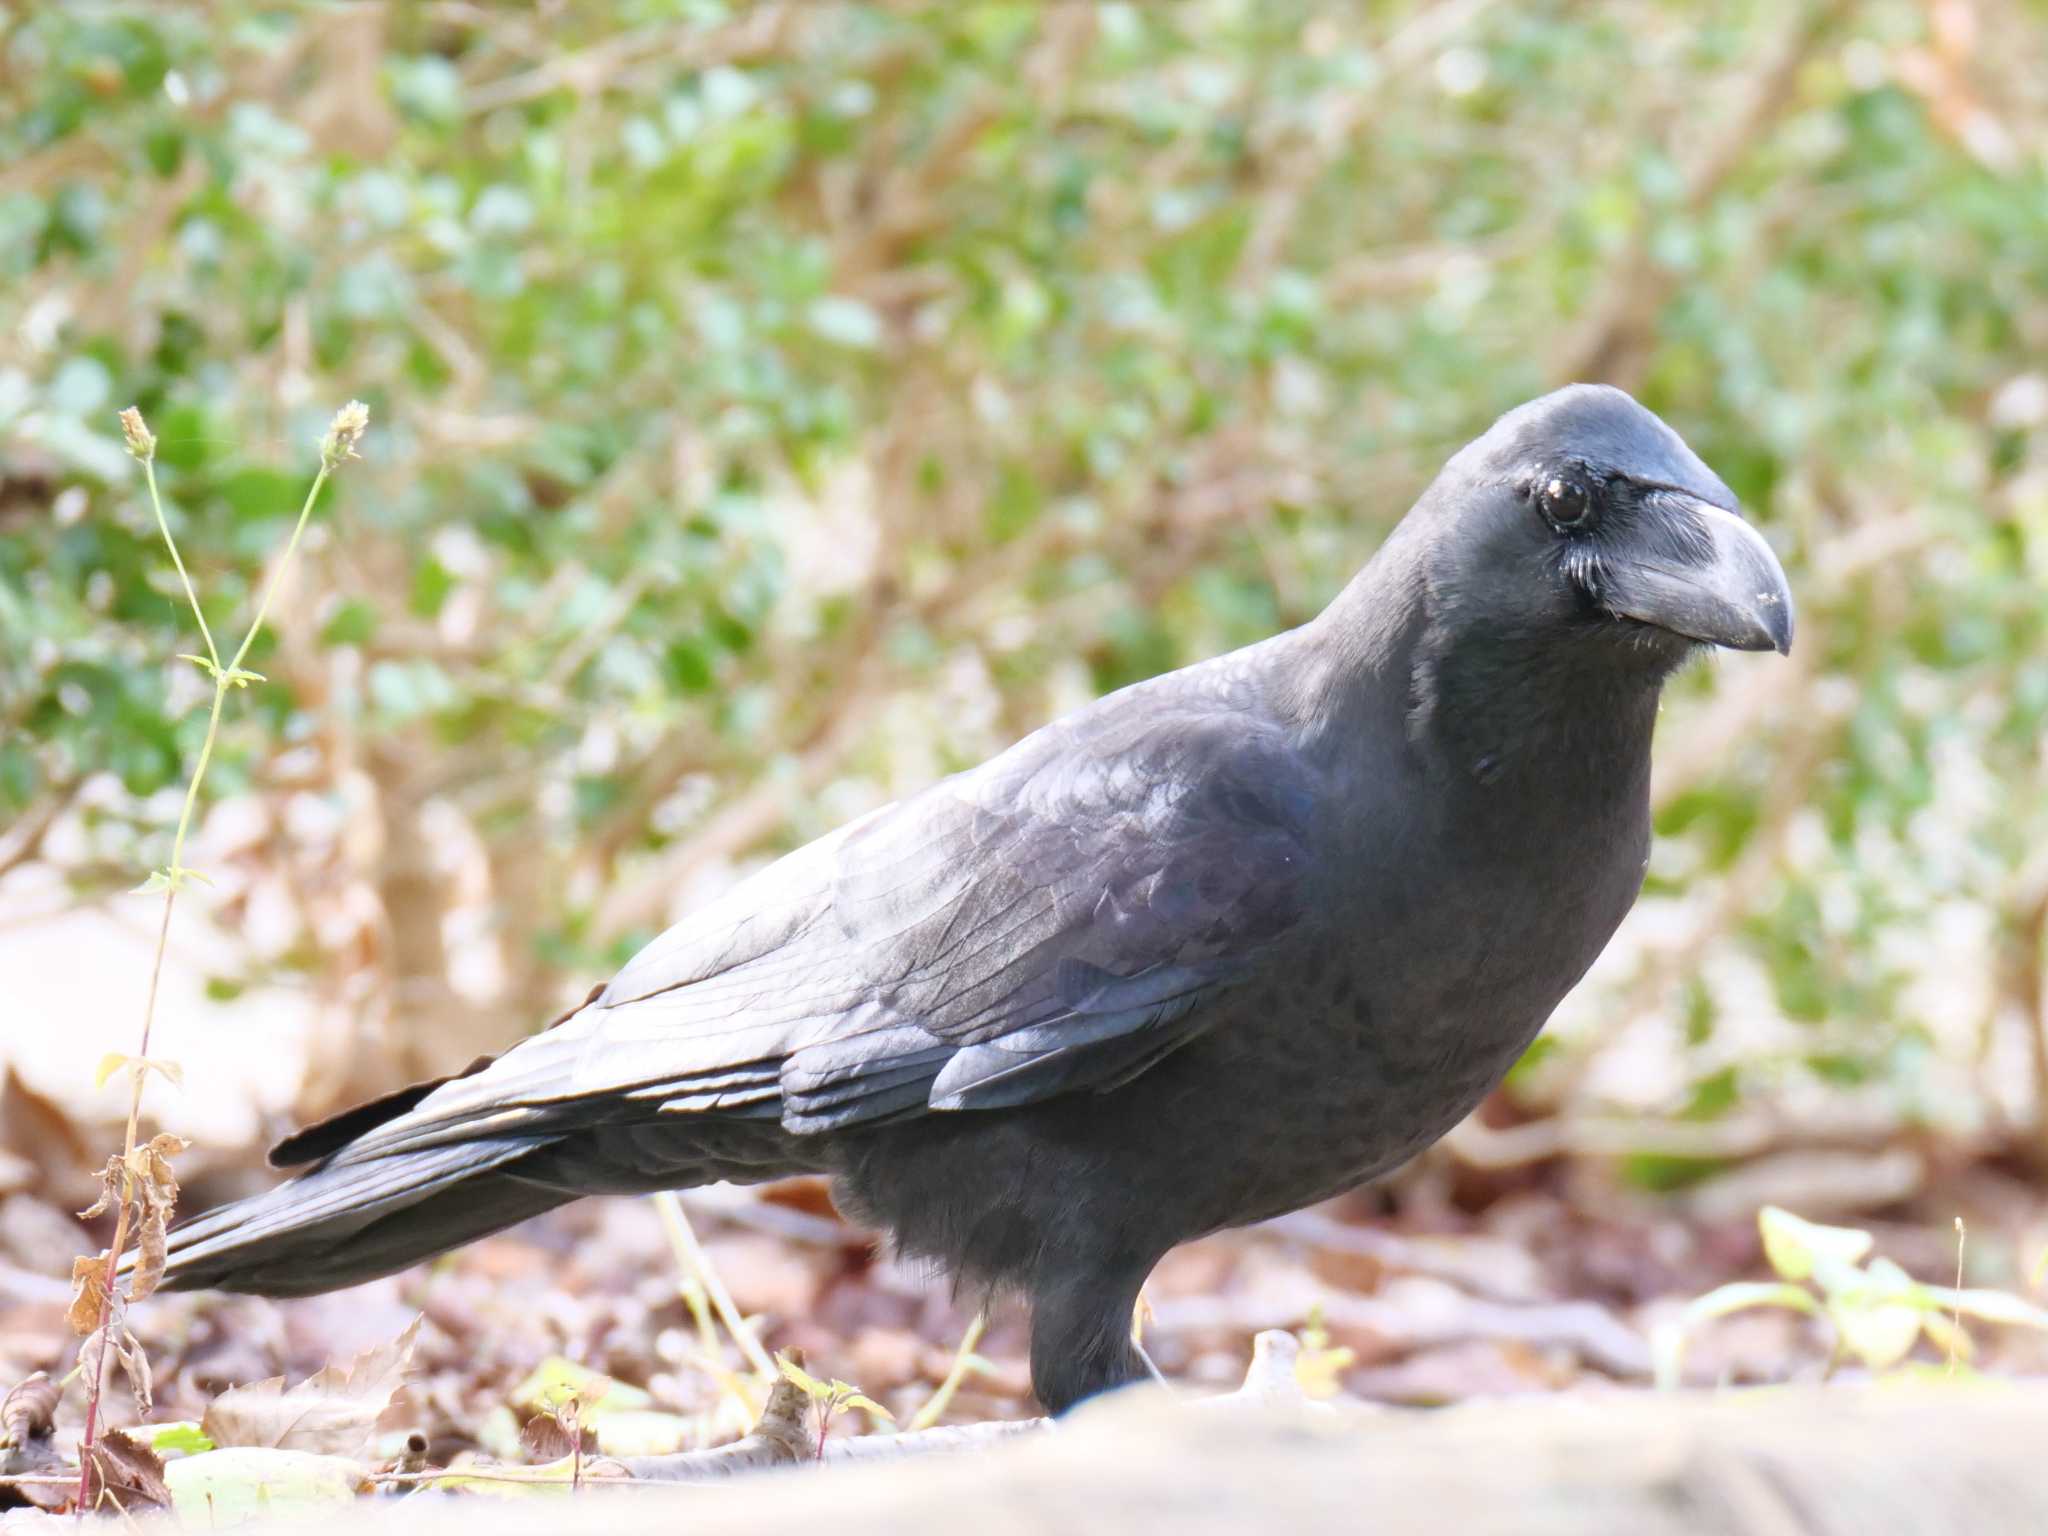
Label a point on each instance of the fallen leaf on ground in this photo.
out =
(29, 1412)
(237, 1483)
(333, 1412)
(124, 1474)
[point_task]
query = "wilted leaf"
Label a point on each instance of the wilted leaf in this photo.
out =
(125, 1474)
(88, 1291)
(127, 1351)
(545, 1439)
(237, 1483)
(29, 1412)
(35, 1128)
(333, 1412)
(110, 1191)
(153, 1186)
(151, 1241)
(1799, 1249)
(134, 1365)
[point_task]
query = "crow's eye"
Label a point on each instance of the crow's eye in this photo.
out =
(1565, 501)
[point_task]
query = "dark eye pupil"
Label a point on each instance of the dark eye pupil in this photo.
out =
(1565, 502)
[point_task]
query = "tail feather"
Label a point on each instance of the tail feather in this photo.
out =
(346, 1222)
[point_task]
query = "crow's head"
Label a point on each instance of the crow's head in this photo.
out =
(1581, 522)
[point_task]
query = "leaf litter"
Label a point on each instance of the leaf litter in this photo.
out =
(521, 1364)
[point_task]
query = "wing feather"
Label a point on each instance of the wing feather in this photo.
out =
(1051, 922)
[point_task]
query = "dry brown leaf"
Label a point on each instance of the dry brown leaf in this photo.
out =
(46, 1480)
(127, 1351)
(135, 1366)
(36, 1129)
(151, 1241)
(125, 1473)
(545, 1439)
(333, 1412)
(143, 1182)
(88, 1291)
(110, 1190)
(29, 1412)
(154, 1189)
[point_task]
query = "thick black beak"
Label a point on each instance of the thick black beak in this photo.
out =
(1718, 583)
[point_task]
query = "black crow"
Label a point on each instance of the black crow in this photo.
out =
(1218, 945)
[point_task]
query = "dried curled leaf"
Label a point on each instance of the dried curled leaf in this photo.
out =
(333, 1412)
(29, 1412)
(110, 1190)
(88, 1291)
(127, 1352)
(125, 1474)
(144, 1181)
(155, 1186)
(545, 1438)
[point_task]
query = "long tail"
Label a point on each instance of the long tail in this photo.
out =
(403, 1179)
(346, 1222)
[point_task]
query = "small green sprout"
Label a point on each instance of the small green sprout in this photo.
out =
(830, 1397)
(1875, 1311)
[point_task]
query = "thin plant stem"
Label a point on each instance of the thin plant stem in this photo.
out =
(963, 1362)
(163, 526)
(277, 576)
(690, 1254)
(337, 446)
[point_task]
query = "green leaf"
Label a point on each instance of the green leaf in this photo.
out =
(352, 623)
(1668, 1348)
(804, 1381)
(431, 583)
(227, 1487)
(183, 1437)
(1989, 1306)
(557, 1379)
(1878, 1335)
(643, 1432)
(1799, 1249)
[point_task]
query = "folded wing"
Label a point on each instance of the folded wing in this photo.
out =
(1051, 922)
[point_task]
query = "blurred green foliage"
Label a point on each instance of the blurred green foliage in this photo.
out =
(778, 405)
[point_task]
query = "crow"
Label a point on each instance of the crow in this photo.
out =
(1216, 946)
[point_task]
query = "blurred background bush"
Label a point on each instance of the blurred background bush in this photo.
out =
(777, 406)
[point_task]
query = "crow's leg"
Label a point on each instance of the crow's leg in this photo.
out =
(1081, 1334)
